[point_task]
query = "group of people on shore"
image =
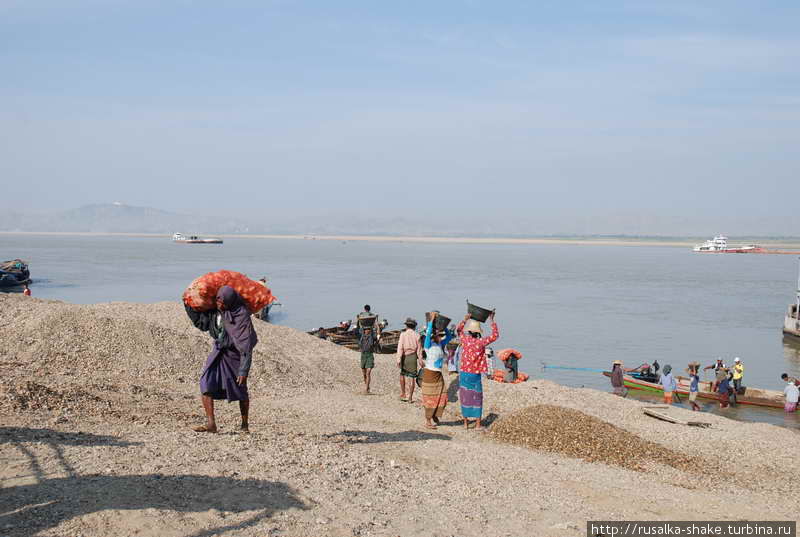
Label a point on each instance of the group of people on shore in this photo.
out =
(225, 373)
(422, 357)
(727, 382)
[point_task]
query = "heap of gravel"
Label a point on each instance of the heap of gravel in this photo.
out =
(575, 434)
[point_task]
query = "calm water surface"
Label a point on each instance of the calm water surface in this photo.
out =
(580, 306)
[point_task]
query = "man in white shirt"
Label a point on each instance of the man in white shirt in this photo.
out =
(792, 394)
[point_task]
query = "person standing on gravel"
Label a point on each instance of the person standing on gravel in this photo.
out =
(409, 358)
(668, 384)
(367, 341)
(434, 396)
(473, 365)
(227, 367)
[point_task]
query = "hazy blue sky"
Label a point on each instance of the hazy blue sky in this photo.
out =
(659, 116)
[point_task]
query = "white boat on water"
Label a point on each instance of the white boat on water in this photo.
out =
(717, 244)
(194, 239)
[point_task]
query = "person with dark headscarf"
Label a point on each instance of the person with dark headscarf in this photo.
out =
(227, 367)
(668, 384)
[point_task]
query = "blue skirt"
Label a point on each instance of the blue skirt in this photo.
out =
(470, 393)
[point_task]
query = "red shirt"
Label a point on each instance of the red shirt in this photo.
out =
(473, 355)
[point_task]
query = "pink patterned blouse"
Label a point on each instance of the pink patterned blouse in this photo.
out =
(473, 357)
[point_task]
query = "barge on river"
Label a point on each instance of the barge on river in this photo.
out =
(194, 239)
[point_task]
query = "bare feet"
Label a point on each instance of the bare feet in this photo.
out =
(436, 420)
(205, 429)
(245, 428)
(430, 425)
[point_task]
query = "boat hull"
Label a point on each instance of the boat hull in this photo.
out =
(752, 396)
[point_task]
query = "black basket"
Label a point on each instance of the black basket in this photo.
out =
(367, 321)
(478, 313)
(441, 321)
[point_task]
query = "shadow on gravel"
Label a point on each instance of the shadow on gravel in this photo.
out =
(30, 509)
(375, 437)
(17, 436)
(27, 510)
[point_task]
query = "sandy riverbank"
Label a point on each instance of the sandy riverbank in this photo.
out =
(97, 402)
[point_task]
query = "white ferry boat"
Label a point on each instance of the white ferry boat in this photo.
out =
(194, 239)
(719, 245)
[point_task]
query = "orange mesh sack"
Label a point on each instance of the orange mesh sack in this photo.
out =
(506, 353)
(201, 294)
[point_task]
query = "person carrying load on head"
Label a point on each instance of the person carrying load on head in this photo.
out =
(510, 359)
(434, 394)
(694, 384)
(228, 366)
(473, 365)
(367, 341)
(617, 378)
(668, 384)
(409, 359)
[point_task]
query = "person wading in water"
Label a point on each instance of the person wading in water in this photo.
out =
(227, 367)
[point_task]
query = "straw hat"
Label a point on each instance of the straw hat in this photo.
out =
(616, 362)
(473, 326)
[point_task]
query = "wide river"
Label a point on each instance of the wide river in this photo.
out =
(560, 305)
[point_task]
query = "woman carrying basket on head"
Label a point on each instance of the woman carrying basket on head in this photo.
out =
(473, 365)
(434, 394)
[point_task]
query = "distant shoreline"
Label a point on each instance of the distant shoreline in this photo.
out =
(578, 241)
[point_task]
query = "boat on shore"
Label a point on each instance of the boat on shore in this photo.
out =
(791, 322)
(194, 239)
(14, 273)
(387, 343)
(751, 396)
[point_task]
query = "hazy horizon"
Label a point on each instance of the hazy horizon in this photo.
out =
(623, 117)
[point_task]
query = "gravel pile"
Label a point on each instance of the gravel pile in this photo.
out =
(30, 395)
(575, 434)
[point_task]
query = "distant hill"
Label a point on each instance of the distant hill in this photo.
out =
(118, 218)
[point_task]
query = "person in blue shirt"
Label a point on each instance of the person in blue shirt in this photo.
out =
(668, 384)
(724, 390)
(694, 384)
(434, 394)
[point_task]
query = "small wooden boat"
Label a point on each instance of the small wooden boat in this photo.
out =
(751, 396)
(14, 273)
(387, 343)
